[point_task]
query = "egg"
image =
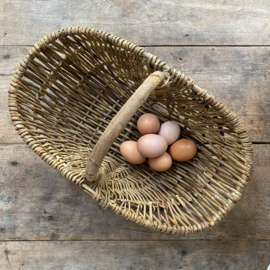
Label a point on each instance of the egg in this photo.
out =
(161, 163)
(130, 152)
(152, 145)
(183, 150)
(170, 131)
(148, 123)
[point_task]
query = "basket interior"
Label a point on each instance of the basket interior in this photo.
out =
(73, 82)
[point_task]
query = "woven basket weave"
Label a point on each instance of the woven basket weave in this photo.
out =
(70, 86)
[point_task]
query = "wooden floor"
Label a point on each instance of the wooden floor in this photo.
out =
(46, 222)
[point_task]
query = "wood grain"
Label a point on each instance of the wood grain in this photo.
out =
(10, 56)
(37, 203)
(238, 76)
(157, 255)
(152, 22)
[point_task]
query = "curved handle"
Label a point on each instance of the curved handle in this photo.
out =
(118, 123)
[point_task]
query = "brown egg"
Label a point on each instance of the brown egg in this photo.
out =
(130, 152)
(161, 163)
(183, 150)
(152, 145)
(148, 123)
(170, 131)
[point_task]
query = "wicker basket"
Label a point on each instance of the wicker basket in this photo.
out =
(68, 91)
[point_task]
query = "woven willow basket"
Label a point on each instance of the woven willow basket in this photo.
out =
(73, 101)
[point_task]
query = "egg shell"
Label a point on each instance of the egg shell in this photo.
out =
(161, 163)
(148, 123)
(152, 145)
(183, 150)
(170, 131)
(130, 152)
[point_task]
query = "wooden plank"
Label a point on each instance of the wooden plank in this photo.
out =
(238, 76)
(10, 57)
(37, 203)
(188, 255)
(142, 22)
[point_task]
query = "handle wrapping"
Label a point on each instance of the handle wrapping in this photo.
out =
(118, 123)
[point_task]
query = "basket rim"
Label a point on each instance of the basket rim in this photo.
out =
(157, 65)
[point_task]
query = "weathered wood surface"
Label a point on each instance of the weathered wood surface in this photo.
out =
(37, 203)
(238, 76)
(153, 22)
(142, 255)
(10, 56)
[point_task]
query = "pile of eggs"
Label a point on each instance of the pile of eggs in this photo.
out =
(154, 144)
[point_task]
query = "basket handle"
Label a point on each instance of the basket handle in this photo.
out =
(118, 123)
